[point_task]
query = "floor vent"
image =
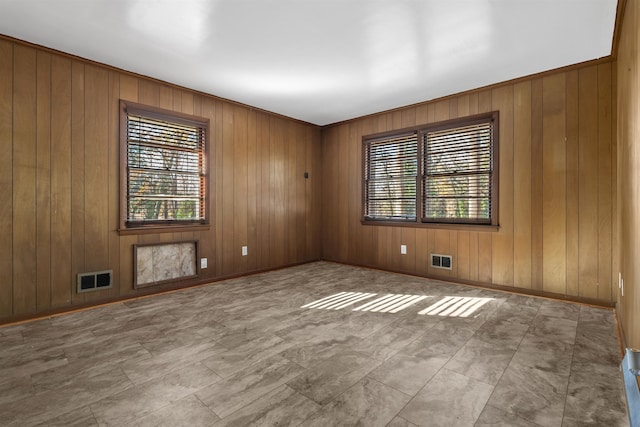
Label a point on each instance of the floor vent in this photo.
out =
(441, 261)
(95, 281)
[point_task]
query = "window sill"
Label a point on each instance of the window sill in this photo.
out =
(157, 229)
(413, 224)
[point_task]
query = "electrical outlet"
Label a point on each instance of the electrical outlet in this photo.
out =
(619, 280)
(203, 263)
(245, 251)
(403, 249)
(622, 286)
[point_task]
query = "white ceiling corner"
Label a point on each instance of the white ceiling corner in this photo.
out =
(321, 61)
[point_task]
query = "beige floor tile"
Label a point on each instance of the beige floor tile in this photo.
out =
(246, 351)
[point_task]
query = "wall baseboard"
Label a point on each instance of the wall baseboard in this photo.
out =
(144, 293)
(483, 285)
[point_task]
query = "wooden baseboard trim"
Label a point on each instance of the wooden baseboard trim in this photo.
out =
(507, 289)
(175, 287)
(144, 293)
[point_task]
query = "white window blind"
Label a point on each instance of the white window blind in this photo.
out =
(441, 173)
(166, 170)
(458, 167)
(391, 170)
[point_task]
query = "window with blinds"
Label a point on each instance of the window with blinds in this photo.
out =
(458, 167)
(166, 168)
(443, 171)
(391, 171)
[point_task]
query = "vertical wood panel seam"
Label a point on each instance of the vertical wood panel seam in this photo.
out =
(597, 236)
(579, 187)
(50, 180)
(109, 142)
(612, 142)
(536, 182)
(542, 227)
(84, 178)
(513, 204)
(35, 183)
(13, 155)
(71, 181)
(37, 116)
(531, 230)
(579, 190)
(233, 186)
(615, 236)
(83, 160)
(246, 185)
(109, 168)
(566, 193)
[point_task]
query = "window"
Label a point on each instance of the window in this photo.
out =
(442, 173)
(391, 166)
(164, 176)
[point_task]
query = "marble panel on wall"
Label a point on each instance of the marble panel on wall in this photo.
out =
(164, 262)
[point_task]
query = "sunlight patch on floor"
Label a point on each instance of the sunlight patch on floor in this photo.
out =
(455, 306)
(450, 306)
(339, 300)
(390, 303)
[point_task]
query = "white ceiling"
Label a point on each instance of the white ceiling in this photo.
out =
(321, 61)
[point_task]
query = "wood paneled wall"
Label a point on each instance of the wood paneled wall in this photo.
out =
(59, 184)
(557, 193)
(628, 179)
(59, 181)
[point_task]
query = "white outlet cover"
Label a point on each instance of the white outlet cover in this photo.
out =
(244, 251)
(619, 280)
(203, 263)
(403, 249)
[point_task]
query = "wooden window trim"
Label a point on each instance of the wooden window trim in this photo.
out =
(403, 137)
(420, 222)
(434, 225)
(162, 226)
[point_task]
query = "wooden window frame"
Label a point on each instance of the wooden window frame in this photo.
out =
(421, 131)
(384, 139)
(160, 226)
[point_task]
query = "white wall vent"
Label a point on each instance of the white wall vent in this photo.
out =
(95, 281)
(441, 261)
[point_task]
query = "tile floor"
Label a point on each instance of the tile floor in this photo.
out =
(320, 344)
